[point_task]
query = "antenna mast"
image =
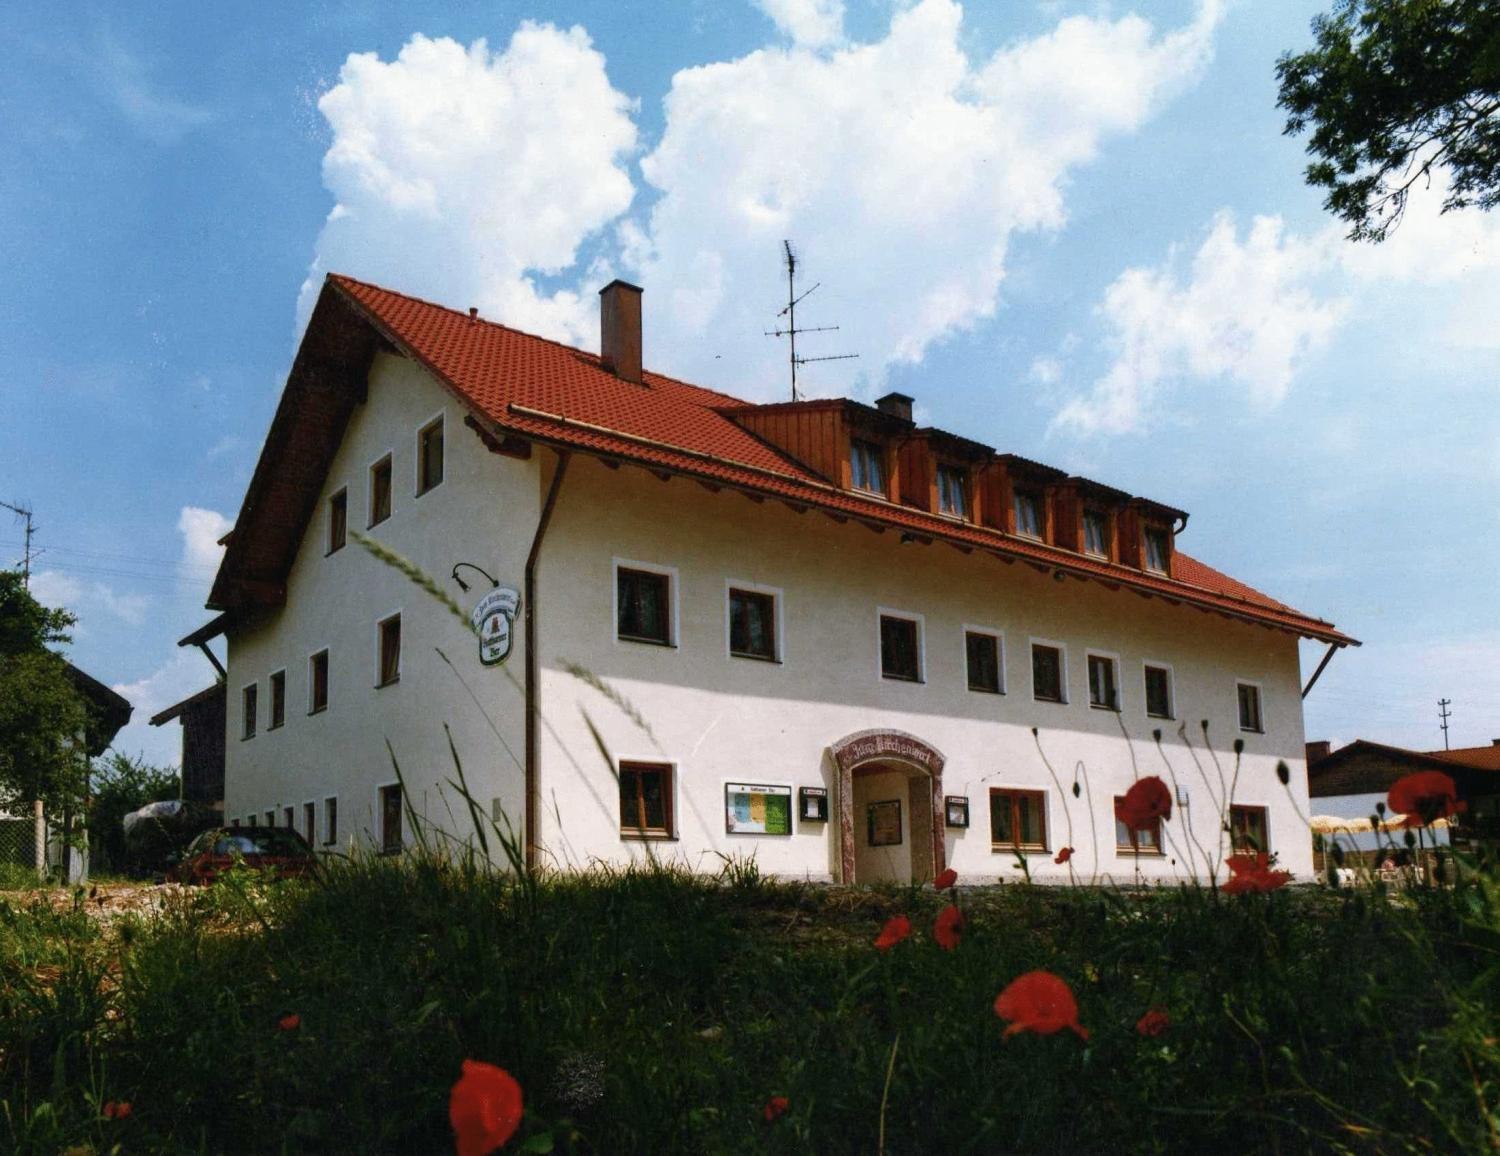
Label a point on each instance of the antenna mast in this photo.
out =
(790, 313)
(24, 512)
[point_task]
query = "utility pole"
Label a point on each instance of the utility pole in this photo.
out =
(1445, 714)
(24, 512)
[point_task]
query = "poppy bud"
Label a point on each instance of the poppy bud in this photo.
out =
(1033, 732)
(1379, 807)
(1077, 790)
(1156, 734)
(1338, 854)
(1411, 839)
(1239, 746)
(1283, 772)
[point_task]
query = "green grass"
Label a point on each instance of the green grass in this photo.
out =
(651, 1011)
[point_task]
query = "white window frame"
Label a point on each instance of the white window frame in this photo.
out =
(1260, 703)
(247, 731)
(271, 723)
(961, 476)
(1062, 650)
(921, 621)
(1166, 534)
(778, 656)
(674, 626)
(327, 680)
(1113, 659)
(656, 759)
(330, 837)
(370, 490)
(379, 624)
(999, 637)
(880, 462)
(1041, 514)
(439, 418)
(1171, 691)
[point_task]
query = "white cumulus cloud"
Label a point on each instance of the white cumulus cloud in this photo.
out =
(812, 23)
(201, 530)
(87, 601)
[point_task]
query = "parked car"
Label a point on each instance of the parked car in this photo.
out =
(278, 849)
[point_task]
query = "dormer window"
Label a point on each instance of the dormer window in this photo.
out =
(1028, 514)
(1158, 549)
(1096, 533)
(866, 470)
(952, 483)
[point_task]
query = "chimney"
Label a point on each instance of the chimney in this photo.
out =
(620, 330)
(1318, 751)
(896, 404)
(1495, 742)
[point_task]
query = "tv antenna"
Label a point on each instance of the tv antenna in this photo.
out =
(24, 512)
(1444, 714)
(790, 313)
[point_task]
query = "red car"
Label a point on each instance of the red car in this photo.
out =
(277, 849)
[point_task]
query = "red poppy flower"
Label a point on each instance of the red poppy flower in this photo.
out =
(1039, 1002)
(484, 1108)
(1425, 796)
(946, 880)
(948, 928)
(289, 1023)
(1064, 855)
(1147, 801)
(775, 1106)
(116, 1109)
(1249, 872)
(896, 928)
(1154, 1022)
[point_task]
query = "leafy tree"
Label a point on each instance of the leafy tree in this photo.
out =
(1394, 90)
(122, 785)
(42, 714)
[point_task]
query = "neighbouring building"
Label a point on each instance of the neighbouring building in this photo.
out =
(814, 633)
(202, 716)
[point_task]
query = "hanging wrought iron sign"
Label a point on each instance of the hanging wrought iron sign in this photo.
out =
(494, 620)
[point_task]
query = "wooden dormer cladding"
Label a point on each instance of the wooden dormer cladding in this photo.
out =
(1023, 477)
(815, 433)
(1087, 498)
(1140, 517)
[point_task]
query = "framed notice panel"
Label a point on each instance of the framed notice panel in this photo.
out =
(757, 809)
(884, 821)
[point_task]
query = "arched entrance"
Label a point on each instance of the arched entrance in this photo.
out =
(899, 834)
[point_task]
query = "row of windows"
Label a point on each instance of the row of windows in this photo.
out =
(387, 670)
(429, 473)
(391, 807)
(644, 613)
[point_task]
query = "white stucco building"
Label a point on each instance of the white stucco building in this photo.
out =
(813, 633)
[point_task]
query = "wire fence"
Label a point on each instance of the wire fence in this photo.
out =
(17, 847)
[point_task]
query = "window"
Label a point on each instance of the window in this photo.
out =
(900, 648)
(330, 820)
(317, 682)
(270, 818)
(952, 484)
(287, 819)
(390, 820)
(380, 490)
(248, 697)
(645, 799)
(1102, 690)
(982, 655)
(309, 821)
(390, 650)
(752, 624)
(1142, 841)
(1046, 673)
(1096, 533)
(1157, 549)
(1249, 829)
(1249, 695)
(1028, 514)
(338, 520)
(643, 606)
(866, 471)
(278, 699)
(429, 456)
(234, 822)
(1158, 692)
(1018, 819)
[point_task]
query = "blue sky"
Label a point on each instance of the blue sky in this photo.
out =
(1072, 230)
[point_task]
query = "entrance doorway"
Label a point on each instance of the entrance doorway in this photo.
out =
(890, 813)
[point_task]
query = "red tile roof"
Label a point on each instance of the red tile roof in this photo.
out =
(551, 392)
(1480, 758)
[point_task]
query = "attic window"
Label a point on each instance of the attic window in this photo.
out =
(1096, 533)
(380, 490)
(1028, 514)
(952, 482)
(866, 471)
(429, 456)
(1158, 549)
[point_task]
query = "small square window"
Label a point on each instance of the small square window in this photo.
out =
(430, 456)
(1140, 841)
(900, 649)
(1249, 829)
(1018, 819)
(1158, 549)
(645, 799)
(952, 486)
(278, 699)
(248, 698)
(380, 491)
(317, 682)
(866, 471)
(752, 624)
(1103, 692)
(982, 654)
(1158, 692)
(643, 606)
(1096, 533)
(309, 822)
(338, 520)
(390, 820)
(390, 651)
(1046, 673)
(330, 820)
(1028, 514)
(1250, 718)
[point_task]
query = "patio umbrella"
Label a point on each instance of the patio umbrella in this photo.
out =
(1342, 825)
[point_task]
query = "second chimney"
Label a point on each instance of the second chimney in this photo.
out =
(1318, 751)
(895, 404)
(620, 330)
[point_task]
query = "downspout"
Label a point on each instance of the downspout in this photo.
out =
(533, 681)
